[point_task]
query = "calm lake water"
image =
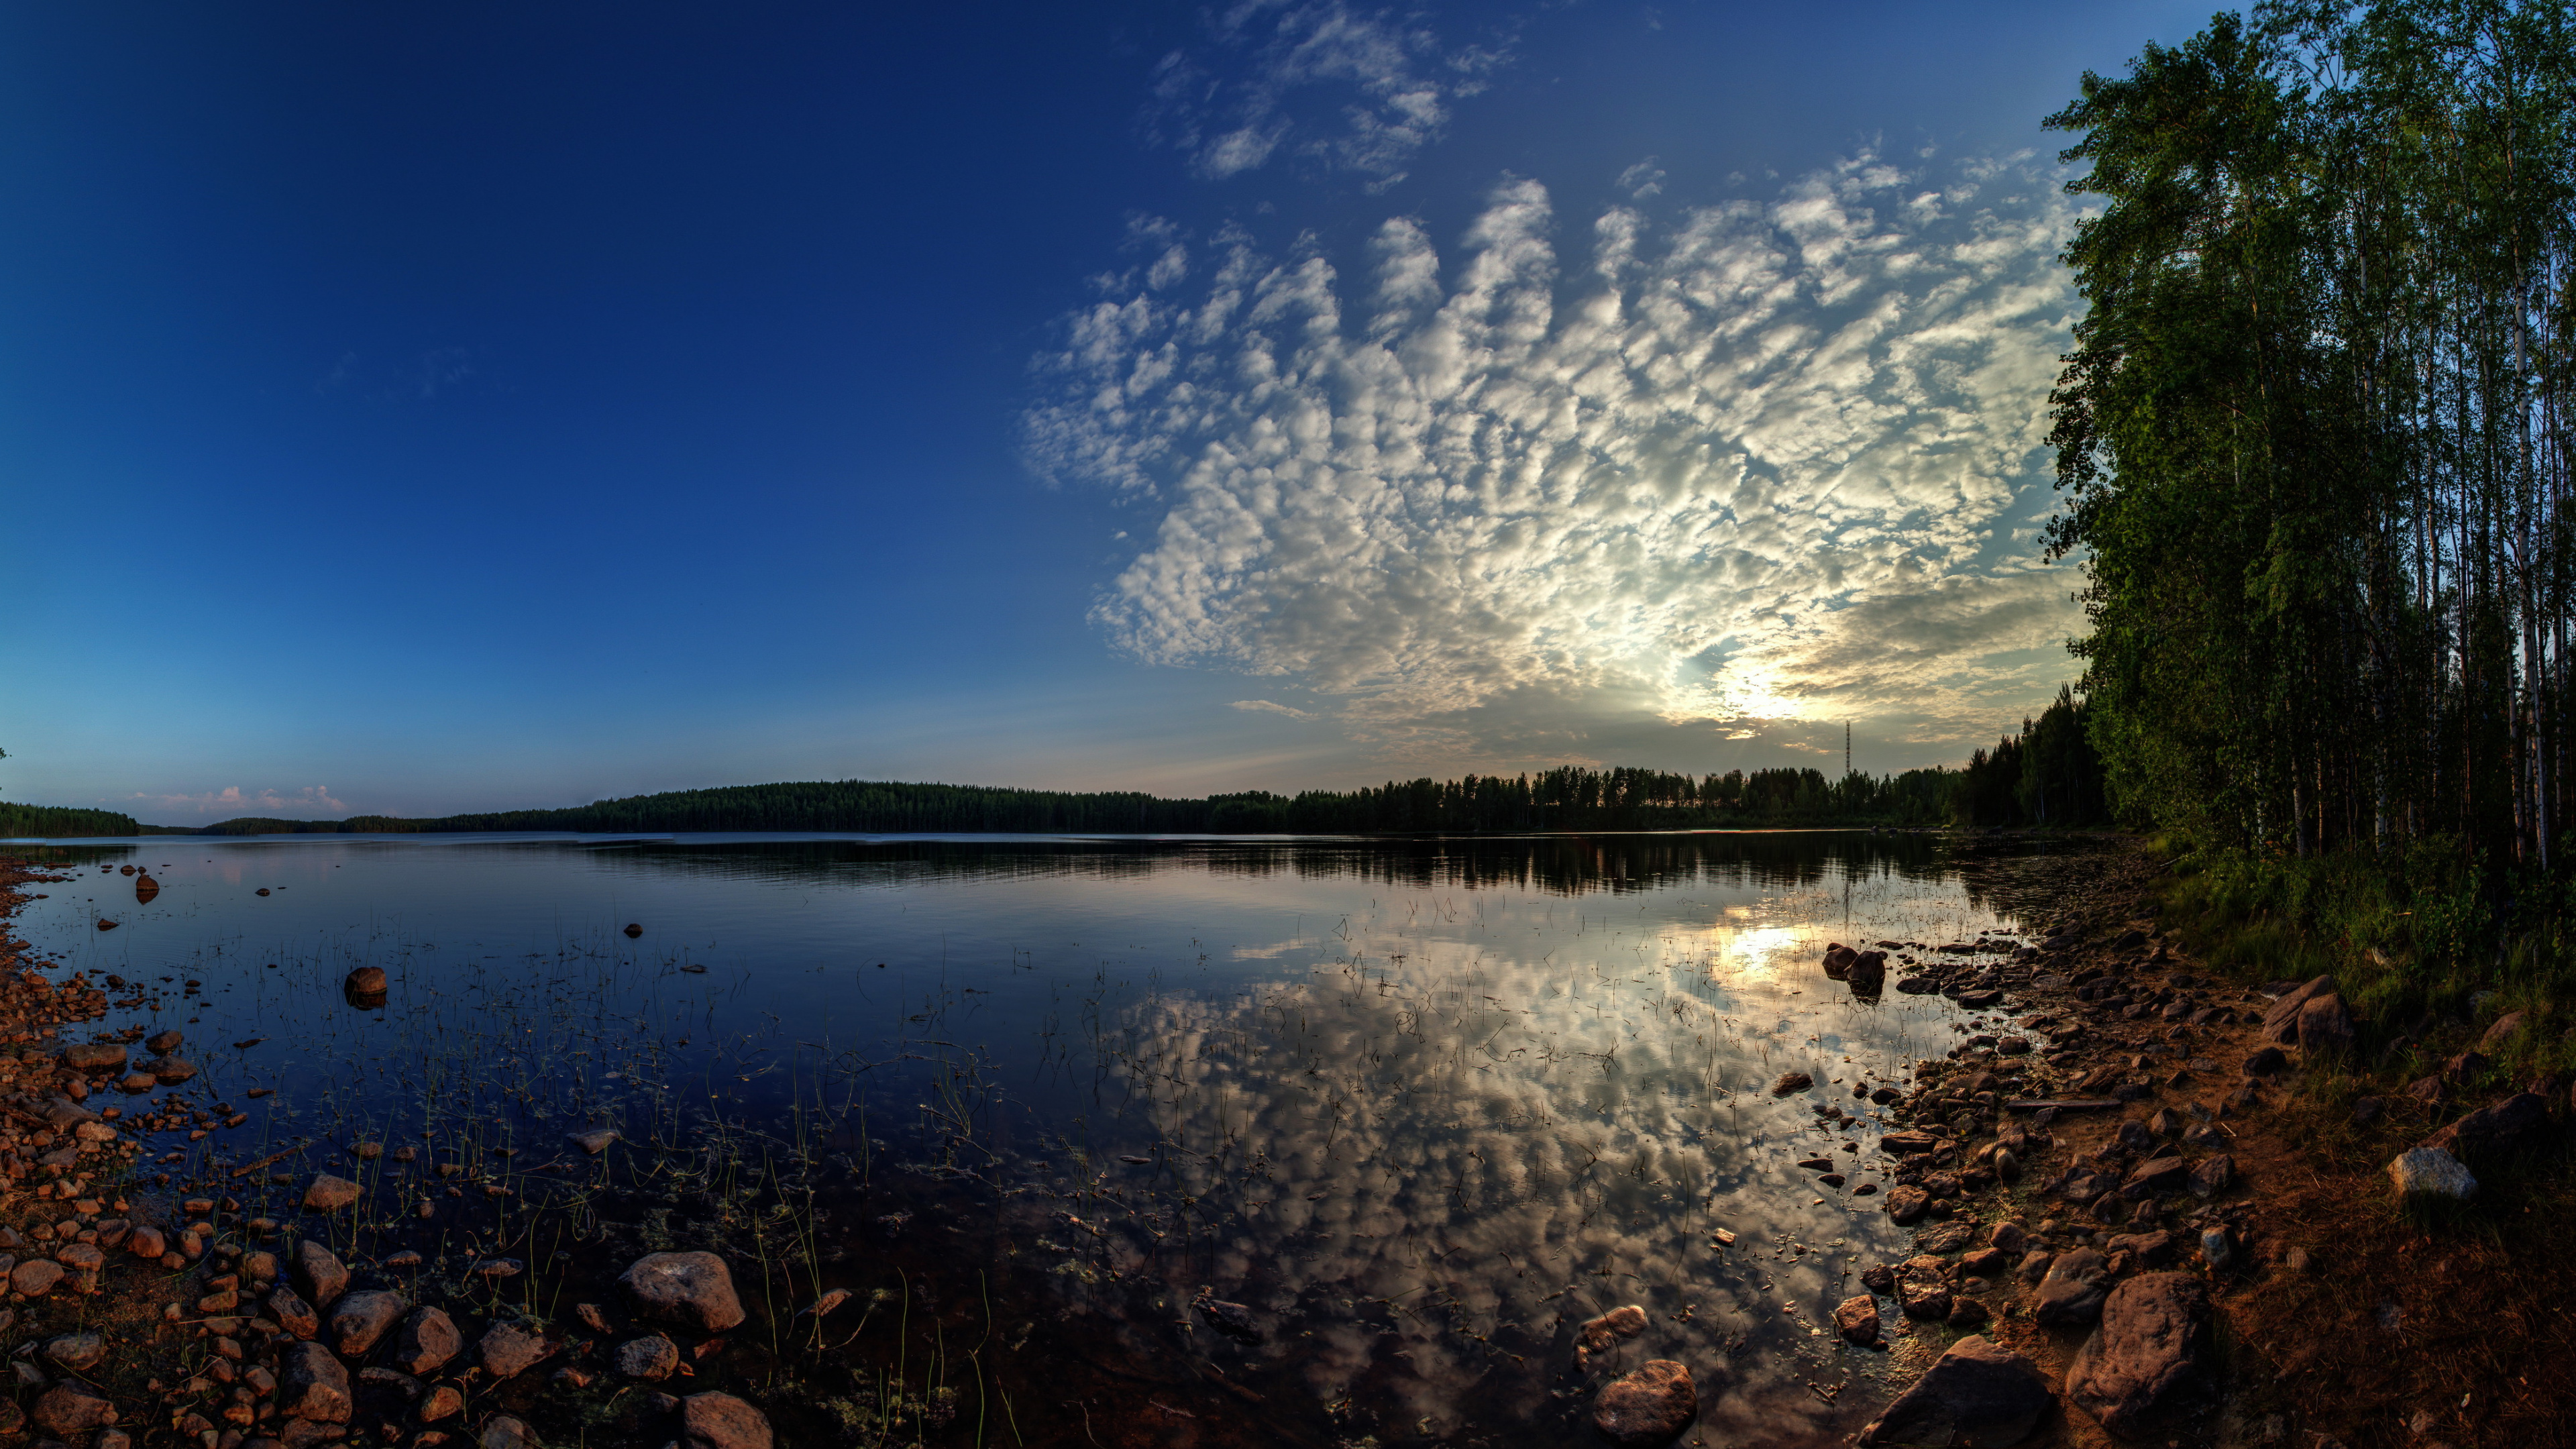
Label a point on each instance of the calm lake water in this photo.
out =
(1420, 1106)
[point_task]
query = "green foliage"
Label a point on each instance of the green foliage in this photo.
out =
(2314, 435)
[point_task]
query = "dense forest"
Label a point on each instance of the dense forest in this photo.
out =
(56, 820)
(2045, 775)
(2313, 438)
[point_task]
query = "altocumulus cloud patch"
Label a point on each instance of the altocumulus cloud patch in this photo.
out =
(1743, 461)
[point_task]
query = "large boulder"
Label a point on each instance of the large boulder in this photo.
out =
(2281, 1023)
(2517, 1123)
(721, 1421)
(694, 1289)
(1647, 1409)
(2072, 1291)
(2154, 1330)
(1979, 1395)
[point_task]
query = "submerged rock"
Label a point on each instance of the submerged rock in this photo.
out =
(1600, 1334)
(1649, 1408)
(329, 1194)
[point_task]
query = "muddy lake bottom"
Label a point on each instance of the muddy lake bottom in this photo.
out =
(1108, 1141)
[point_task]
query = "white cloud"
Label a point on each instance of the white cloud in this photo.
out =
(310, 801)
(1350, 90)
(1264, 706)
(1743, 461)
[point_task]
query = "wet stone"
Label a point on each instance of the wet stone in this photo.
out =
(1923, 1287)
(1856, 1319)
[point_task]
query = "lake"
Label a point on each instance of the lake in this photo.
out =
(1418, 1107)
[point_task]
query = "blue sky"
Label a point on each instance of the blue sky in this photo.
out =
(414, 409)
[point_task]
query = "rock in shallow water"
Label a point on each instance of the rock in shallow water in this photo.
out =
(1979, 1395)
(1649, 1408)
(329, 1194)
(695, 1289)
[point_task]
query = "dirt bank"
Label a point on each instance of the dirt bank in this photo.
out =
(2145, 1182)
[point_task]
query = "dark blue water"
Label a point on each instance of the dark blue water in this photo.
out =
(1417, 1104)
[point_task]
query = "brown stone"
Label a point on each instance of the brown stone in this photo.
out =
(1856, 1319)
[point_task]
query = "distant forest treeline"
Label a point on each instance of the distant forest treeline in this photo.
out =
(2046, 775)
(56, 820)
